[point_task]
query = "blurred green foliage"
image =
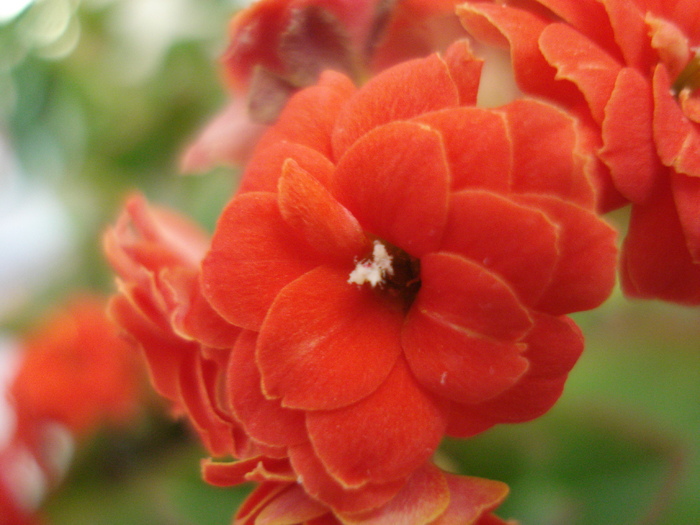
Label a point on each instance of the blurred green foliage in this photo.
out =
(621, 447)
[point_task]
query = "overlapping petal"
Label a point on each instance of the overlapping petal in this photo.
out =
(325, 343)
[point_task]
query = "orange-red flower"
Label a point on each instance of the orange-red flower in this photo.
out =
(630, 70)
(401, 263)
(75, 371)
(430, 496)
(280, 46)
(75, 374)
(156, 254)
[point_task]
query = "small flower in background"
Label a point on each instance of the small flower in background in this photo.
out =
(629, 70)
(75, 375)
(280, 46)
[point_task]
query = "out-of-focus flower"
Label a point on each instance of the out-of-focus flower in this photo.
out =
(280, 46)
(629, 69)
(76, 371)
(75, 374)
(429, 497)
(401, 263)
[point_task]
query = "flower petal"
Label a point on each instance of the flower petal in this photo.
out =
(395, 181)
(463, 294)
(292, 506)
(423, 498)
(320, 485)
(585, 272)
(311, 210)
(470, 499)
(591, 68)
(631, 33)
(263, 171)
(383, 437)
(552, 164)
(457, 364)
(655, 258)
(628, 140)
(310, 115)
(517, 242)
(465, 70)
(477, 145)
(253, 255)
(384, 99)
(326, 343)
(264, 419)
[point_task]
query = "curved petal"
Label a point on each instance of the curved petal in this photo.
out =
(477, 145)
(259, 468)
(628, 142)
(517, 242)
(465, 70)
(384, 99)
(456, 364)
(264, 419)
(470, 499)
(465, 295)
(320, 485)
(588, 17)
(253, 255)
(423, 498)
(264, 170)
(655, 258)
(326, 343)
(309, 116)
(312, 211)
(553, 346)
(395, 181)
(383, 437)
(590, 67)
(506, 26)
(631, 33)
(195, 382)
(192, 316)
(553, 163)
(291, 506)
(585, 272)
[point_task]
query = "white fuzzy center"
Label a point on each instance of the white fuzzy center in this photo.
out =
(374, 270)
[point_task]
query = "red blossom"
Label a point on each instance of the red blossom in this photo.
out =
(156, 254)
(629, 69)
(280, 46)
(75, 371)
(401, 263)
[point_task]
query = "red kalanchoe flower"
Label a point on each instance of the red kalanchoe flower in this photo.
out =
(280, 46)
(156, 254)
(630, 70)
(430, 496)
(76, 371)
(401, 263)
(75, 375)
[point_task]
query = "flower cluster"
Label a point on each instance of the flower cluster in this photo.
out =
(75, 374)
(629, 70)
(396, 266)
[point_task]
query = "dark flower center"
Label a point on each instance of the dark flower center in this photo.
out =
(689, 78)
(391, 271)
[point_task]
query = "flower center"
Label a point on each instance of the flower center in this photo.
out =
(390, 269)
(689, 78)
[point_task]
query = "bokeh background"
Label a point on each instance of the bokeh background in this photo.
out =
(99, 97)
